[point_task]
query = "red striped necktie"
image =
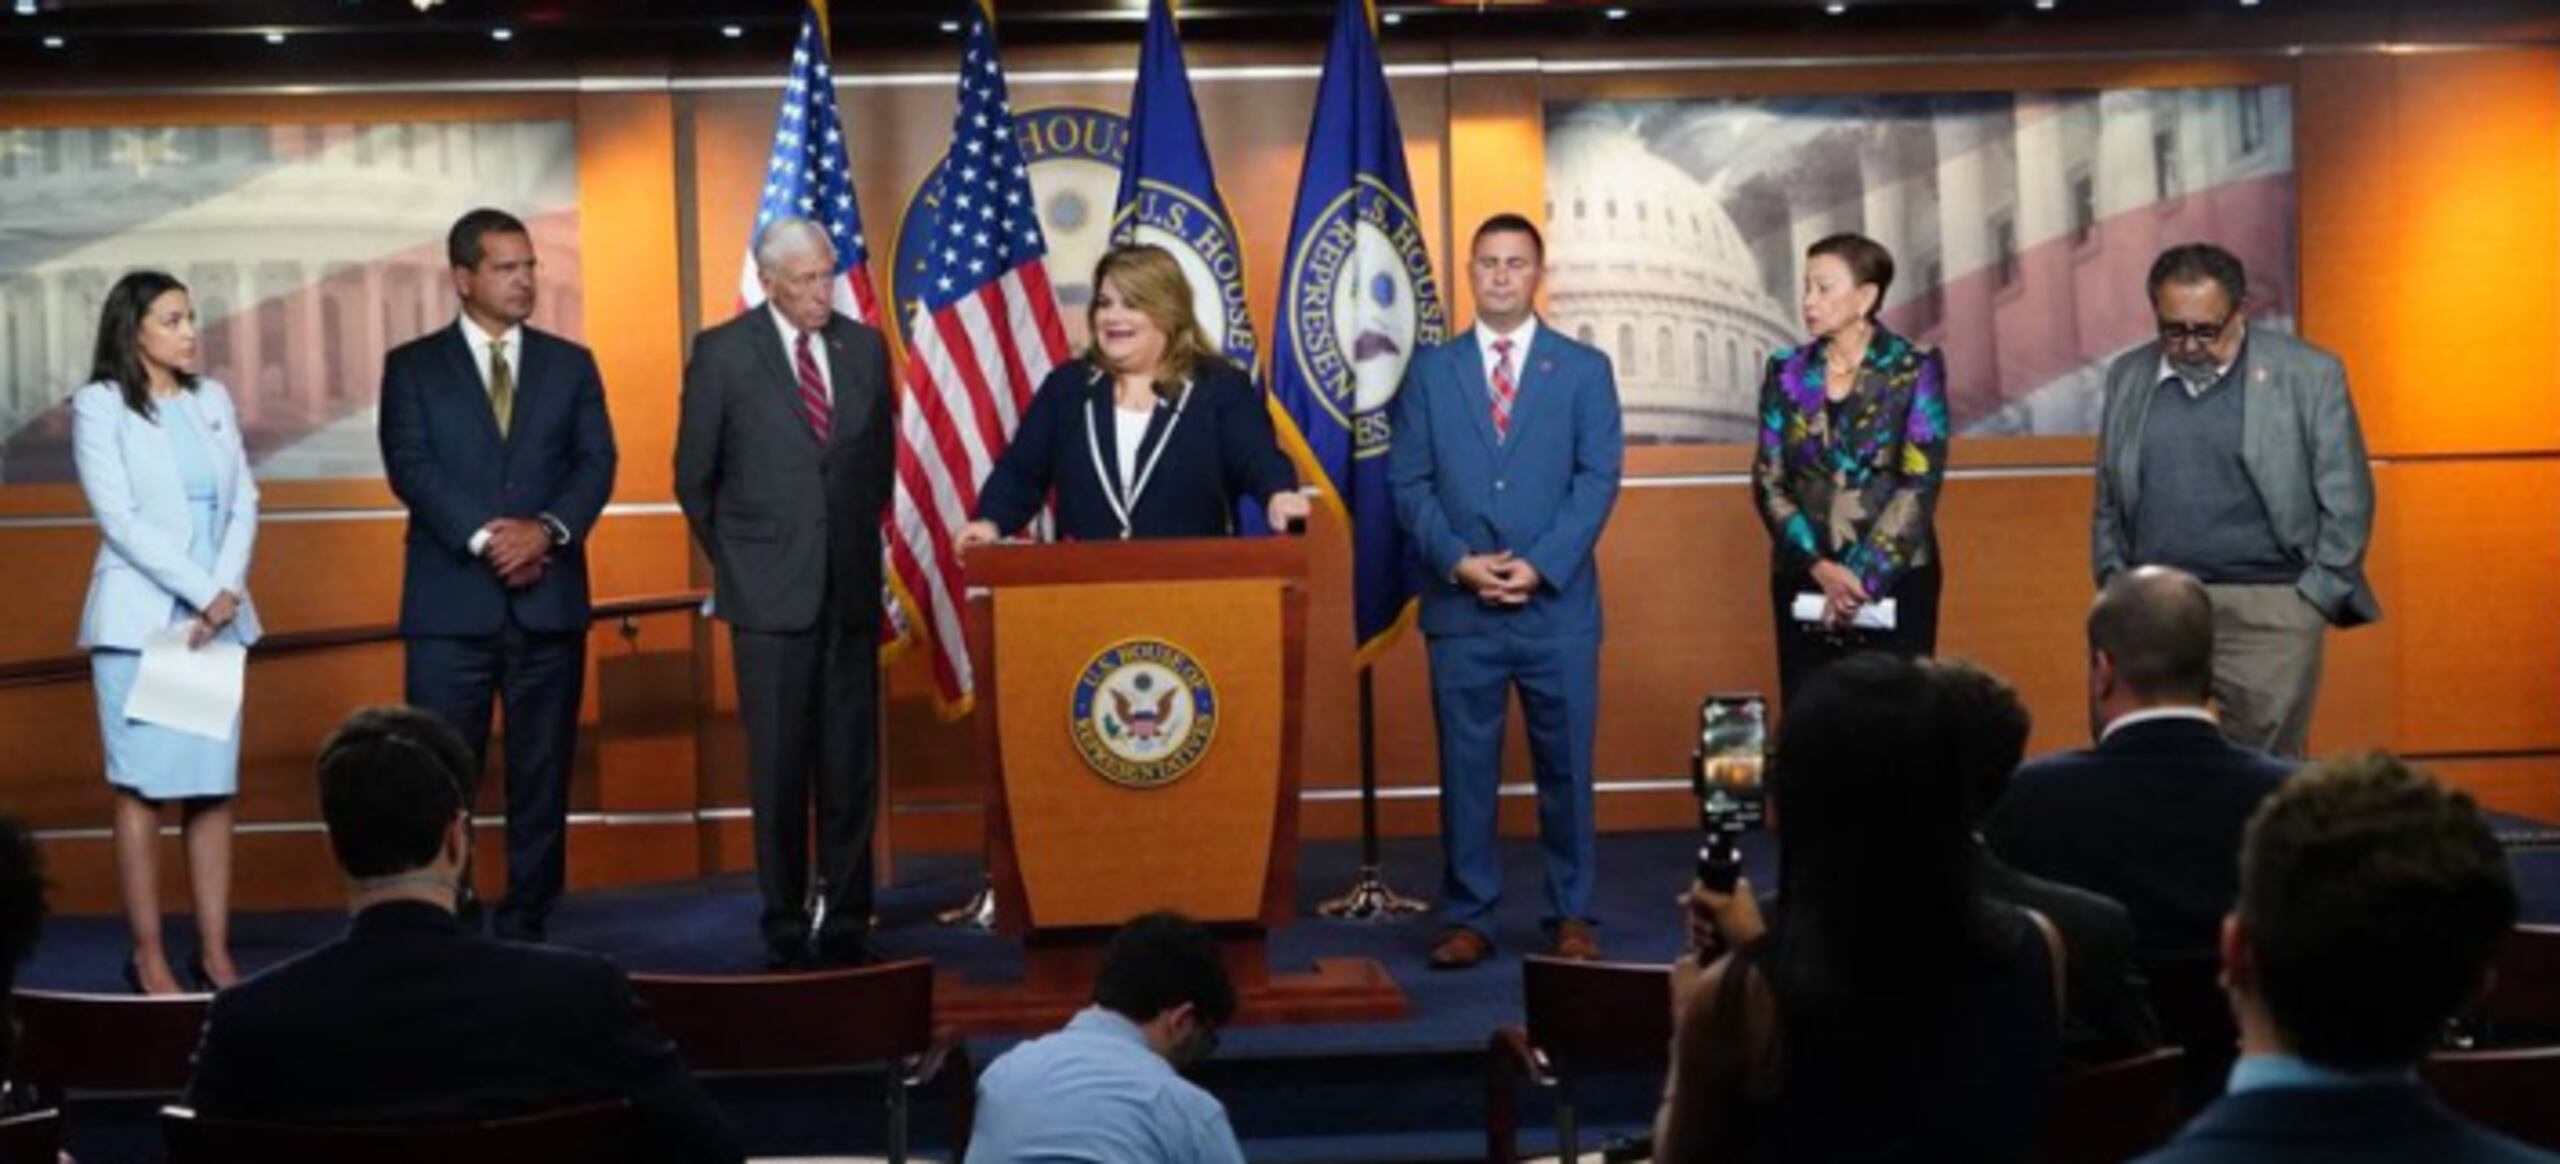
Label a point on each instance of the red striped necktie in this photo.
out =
(1505, 389)
(813, 392)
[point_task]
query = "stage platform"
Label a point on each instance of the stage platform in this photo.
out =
(1385, 1091)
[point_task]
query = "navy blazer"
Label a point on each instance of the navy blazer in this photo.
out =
(2151, 817)
(447, 463)
(410, 1020)
(1223, 450)
(1544, 493)
(2381, 1123)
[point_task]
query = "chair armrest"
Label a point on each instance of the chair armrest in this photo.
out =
(947, 1063)
(1509, 1058)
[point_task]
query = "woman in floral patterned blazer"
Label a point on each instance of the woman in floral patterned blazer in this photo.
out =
(1853, 444)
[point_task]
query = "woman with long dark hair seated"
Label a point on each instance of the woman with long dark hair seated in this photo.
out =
(1886, 1010)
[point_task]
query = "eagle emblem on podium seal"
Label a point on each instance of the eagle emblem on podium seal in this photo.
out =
(1143, 714)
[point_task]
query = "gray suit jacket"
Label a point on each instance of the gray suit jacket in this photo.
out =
(779, 514)
(2303, 450)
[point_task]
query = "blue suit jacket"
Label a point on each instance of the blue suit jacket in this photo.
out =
(447, 463)
(131, 482)
(2387, 1123)
(1543, 494)
(2151, 817)
(1222, 451)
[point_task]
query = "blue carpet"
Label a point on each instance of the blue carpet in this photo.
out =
(1410, 1090)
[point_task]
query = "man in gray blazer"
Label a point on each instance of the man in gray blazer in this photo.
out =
(2234, 455)
(784, 456)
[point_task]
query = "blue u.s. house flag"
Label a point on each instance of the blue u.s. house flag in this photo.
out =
(1357, 300)
(1169, 193)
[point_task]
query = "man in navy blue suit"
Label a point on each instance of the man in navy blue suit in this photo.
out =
(2371, 901)
(1504, 466)
(496, 438)
(2152, 816)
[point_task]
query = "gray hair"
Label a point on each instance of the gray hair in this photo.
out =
(785, 237)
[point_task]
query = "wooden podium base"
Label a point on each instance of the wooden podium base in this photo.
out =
(1057, 982)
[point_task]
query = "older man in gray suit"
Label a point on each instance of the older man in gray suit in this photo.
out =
(2234, 455)
(784, 457)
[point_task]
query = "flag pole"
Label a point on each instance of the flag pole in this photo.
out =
(1370, 898)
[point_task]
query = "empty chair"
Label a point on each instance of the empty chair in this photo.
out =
(2113, 1112)
(2516, 1092)
(1583, 1017)
(119, 1044)
(861, 1020)
(595, 1133)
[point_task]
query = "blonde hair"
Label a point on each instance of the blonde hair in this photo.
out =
(1152, 282)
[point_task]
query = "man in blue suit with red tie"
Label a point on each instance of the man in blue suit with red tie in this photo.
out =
(496, 438)
(1505, 465)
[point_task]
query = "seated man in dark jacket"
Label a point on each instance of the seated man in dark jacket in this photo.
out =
(2371, 901)
(2107, 1014)
(409, 1019)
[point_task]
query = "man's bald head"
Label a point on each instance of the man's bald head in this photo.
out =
(2155, 626)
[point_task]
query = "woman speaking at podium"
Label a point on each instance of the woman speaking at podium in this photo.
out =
(1148, 434)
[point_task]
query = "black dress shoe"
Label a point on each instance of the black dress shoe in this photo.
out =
(836, 951)
(787, 956)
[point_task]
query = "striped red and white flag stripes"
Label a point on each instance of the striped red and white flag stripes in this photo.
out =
(971, 369)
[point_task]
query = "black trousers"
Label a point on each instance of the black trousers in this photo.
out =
(810, 704)
(536, 680)
(1804, 649)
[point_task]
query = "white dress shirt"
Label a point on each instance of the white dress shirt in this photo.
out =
(1520, 338)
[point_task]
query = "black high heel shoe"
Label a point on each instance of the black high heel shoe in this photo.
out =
(196, 973)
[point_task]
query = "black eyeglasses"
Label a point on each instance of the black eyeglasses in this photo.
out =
(2194, 333)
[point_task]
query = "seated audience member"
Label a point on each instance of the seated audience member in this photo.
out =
(1106, 1088)
(2371, 901)
(2151, 816)
(1889, 1010)
(2107, 1015)
(410, 1019)
(21, 916)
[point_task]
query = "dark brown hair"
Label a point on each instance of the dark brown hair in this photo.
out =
(1868, 262)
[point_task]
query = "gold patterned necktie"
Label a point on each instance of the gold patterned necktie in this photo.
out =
(502, 386)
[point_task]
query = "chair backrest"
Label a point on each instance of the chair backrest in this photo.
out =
(594, 1133)
(756, 1023)
(2113, 1112)
(107, 1042)
(2510, 1090)
(33, 1137)
(2527, 988)
(1598, 1016)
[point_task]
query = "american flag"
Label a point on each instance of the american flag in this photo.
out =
(807, 176)
(985, 332)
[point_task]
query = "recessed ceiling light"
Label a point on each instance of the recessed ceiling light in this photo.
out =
(2248, 3)
(1617, 14)
(1391, 18)
(1834, 9)
(951, 26)
(732, 31)
(2044, 5)
(502, 34)
(53, 42)
(26, 7)
(275, 38)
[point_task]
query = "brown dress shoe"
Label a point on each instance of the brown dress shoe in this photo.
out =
(1575, 940)
(1460, 948)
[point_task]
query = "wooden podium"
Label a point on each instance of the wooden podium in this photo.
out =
(1139, 713)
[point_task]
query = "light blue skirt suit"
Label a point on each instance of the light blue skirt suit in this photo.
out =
(178, 514)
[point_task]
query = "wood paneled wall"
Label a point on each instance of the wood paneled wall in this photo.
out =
(2429, 193)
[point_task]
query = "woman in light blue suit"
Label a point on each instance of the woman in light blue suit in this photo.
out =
(167, 478)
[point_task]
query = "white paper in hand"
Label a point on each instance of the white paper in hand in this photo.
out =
(193, 691)
(1876, 616)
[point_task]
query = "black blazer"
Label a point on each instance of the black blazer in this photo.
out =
(2106, 1011)
(783, 518)
(2152, 817)
(446, 461)
(409, 1020)
(1222, 450)
(2381, 1123)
